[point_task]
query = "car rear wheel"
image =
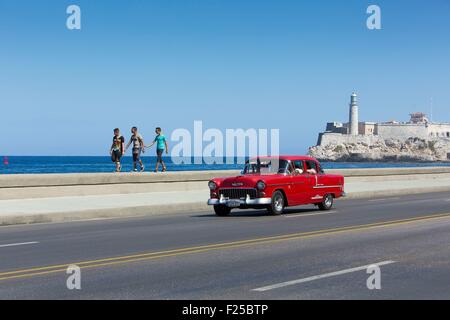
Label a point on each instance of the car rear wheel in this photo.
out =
(327, 202)
(278, 204)
(222, 211)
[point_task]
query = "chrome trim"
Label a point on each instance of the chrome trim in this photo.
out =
(247, 202)
(228, 188)
(238, 193)
(324, 187)
(237, 184)
(279, 185)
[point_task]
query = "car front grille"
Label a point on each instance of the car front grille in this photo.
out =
(238, 193)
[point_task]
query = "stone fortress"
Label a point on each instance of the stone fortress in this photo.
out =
(419, 139)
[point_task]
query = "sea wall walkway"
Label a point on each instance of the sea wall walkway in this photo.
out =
(68, 197)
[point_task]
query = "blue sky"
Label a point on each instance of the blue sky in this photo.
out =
(286, 64)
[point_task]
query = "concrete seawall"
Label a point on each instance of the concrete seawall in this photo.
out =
(62, 185)
(68, 197)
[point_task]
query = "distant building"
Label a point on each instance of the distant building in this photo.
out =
(337, 127)
(419, 117)
(419, 126)
(367, 128)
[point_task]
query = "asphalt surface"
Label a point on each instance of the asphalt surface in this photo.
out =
(304, 254)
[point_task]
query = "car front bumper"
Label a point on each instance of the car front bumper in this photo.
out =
(243, 202)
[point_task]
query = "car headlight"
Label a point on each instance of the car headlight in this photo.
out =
(260, 185)
(212, 185)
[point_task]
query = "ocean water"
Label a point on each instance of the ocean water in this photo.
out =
(27, 165)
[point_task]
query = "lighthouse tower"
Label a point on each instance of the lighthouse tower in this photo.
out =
(353, 118)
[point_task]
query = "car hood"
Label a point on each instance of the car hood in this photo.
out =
(248, 181)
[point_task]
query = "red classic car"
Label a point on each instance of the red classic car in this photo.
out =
(275, 183)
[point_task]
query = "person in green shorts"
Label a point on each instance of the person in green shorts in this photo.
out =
(161, 146)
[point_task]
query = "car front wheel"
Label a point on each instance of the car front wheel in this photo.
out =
(278, 204)
(222, 211)
(327, 202)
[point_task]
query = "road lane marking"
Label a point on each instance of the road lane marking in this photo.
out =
(321, 276)
(383, 199)
(299, 215)
(24, 273)
(17, 244)
(409, 201)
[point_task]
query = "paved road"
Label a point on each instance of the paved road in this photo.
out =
(304, 254)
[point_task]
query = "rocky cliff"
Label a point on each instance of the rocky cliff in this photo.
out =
(413, 149)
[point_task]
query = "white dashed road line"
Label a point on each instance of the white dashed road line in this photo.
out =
(17, 244)
(322, 276)
(309, 214)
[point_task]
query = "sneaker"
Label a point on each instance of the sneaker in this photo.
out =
(142, 169)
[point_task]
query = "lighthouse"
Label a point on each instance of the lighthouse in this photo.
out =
(353, 118)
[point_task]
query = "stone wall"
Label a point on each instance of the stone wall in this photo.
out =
(336, 147)
(336, 139)
(402, 131)
(439, 130)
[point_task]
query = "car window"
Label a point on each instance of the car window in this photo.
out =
(291, 168)
(308, 165)
(311, 165)
(266, 166)
(298, 164)
(285, 168)
(320, 170)
(298, 167)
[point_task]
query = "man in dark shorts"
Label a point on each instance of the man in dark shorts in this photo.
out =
(117, 149)
(138, 147)
(161, 145)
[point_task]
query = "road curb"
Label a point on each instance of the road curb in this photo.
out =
(393, 193)
(123, 212)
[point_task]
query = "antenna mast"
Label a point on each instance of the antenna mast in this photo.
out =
(431, 107)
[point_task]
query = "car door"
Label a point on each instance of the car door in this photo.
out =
(313, 187)
(301, 183)
(321, 178)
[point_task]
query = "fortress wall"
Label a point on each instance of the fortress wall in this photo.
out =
(402, 131)
(389, 131)
(336, 138)
(439, 130)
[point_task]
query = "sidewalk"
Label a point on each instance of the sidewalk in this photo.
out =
(60, 209)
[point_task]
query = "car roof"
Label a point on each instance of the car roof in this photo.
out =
(289, 158)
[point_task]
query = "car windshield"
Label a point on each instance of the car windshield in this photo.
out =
(267, 166)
